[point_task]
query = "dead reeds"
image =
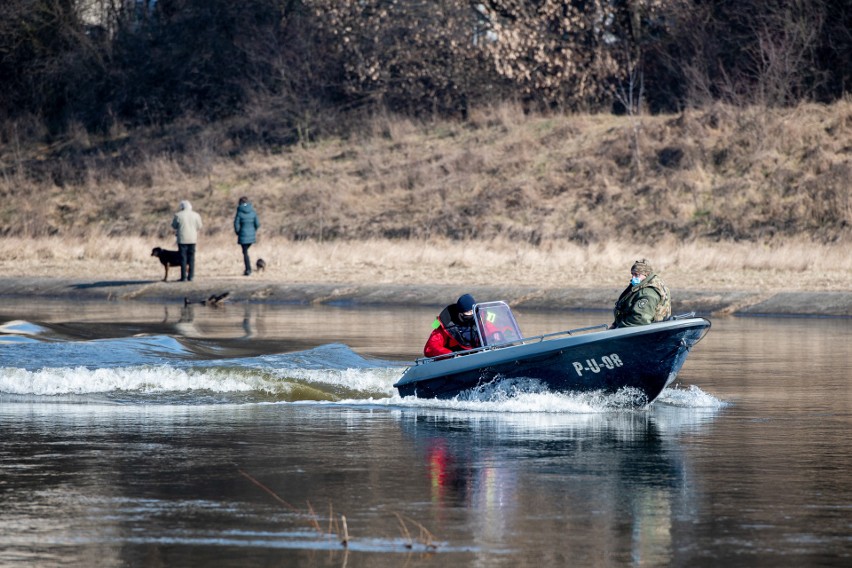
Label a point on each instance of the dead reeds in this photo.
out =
(338, 526)
(792, 265)
(711, 175)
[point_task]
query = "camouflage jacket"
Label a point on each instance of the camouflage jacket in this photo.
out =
(647, 302)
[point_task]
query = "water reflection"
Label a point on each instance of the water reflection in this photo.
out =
(531, 478)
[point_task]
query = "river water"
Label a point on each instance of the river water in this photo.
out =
(158, 435)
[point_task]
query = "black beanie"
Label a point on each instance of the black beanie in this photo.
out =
(465, 303)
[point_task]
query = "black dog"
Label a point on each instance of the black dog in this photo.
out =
(167, 258)
(261, 265)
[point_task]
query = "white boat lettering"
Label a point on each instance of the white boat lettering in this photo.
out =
(607, 362)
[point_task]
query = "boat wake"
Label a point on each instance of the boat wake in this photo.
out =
(161, 370)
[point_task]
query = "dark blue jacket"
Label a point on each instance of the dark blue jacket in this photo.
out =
(246, 224)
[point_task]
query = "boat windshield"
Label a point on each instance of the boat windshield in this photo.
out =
(495, 323)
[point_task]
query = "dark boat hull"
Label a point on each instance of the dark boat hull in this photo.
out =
(645, 358)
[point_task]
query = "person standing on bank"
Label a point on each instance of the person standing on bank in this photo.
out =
(186, 224)
(246, 225)
(645, 300)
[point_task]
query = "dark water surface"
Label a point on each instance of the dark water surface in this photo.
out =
(251, 435)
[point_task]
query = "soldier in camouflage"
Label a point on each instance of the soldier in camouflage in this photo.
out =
(645, 300)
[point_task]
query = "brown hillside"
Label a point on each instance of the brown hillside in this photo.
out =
(719, 174)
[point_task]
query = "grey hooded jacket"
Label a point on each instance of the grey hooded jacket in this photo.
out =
(186, 224)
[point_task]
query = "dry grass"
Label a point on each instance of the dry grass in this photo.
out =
(714, 174)
(790, 266)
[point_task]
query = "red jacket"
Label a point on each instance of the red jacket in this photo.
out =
(442, 341)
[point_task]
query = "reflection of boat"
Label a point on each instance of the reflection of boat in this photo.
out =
(646, 357)
(506, 471)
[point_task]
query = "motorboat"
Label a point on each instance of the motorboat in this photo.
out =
(646, 358)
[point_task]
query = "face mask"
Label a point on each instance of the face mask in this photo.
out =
(635, 281)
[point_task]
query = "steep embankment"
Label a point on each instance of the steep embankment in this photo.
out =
(717, 173)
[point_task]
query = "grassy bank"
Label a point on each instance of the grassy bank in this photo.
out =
(717, 174)
(798, 266)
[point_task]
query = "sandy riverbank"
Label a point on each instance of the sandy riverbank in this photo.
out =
(718, 279)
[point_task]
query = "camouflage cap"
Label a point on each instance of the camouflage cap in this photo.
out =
(641, 267)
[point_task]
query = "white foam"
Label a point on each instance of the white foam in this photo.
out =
(539, 401)
(361, 386)
(81, 380)
(369, 380)
(688, 397)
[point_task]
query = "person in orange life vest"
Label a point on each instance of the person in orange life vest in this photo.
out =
(454, 329)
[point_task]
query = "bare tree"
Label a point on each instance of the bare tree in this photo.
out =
(570, 53)
(783, 63)
(46, 51)
(747, 52)
(408, 55)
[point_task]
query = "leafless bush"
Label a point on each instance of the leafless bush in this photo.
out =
(747, 53)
